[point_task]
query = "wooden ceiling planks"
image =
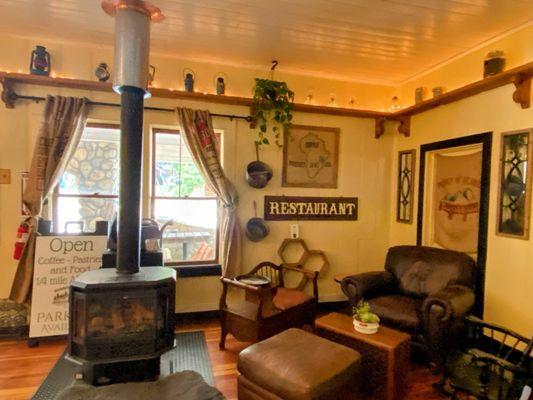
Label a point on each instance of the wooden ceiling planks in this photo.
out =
(345, 39)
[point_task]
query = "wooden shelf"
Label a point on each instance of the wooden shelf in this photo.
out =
(519, 76)
(15, 78)
(504, 78)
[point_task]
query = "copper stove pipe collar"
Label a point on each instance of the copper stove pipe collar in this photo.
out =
(143, 7)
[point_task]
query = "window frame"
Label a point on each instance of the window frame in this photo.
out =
(193, 267)
(57, 195)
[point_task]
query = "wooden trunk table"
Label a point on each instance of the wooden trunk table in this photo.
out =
(385, 355)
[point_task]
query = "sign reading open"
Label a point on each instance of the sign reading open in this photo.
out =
(59, 260)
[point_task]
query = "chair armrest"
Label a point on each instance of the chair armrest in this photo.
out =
(455, 301)
(368, 285)
(487, 358)
(233, 282)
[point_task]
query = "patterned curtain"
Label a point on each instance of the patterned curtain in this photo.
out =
(197, 131)
(59, 134)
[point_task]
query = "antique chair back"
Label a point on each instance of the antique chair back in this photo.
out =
(504, 344)
(271, 271)
(494, 364)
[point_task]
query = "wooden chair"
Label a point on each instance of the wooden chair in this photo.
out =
(267, 310)
(494, 364)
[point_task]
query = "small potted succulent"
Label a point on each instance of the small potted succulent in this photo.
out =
(364, 320)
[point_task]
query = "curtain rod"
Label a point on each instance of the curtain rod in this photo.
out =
(37, 99)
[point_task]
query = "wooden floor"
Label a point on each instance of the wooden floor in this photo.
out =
(23, 369)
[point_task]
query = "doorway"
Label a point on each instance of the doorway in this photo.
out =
(453, 199)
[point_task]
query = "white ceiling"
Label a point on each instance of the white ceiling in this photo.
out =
(369, 40)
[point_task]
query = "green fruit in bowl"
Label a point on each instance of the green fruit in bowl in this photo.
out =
(363, 313)
(369, 318)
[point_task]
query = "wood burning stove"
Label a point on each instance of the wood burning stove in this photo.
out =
(121, 324)
(122, 320)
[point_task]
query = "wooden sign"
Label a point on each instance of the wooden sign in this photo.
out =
(284, 208)
(59, 260)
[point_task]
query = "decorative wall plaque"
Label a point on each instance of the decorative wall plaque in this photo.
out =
(406, 176)
(515, 184)
(283, 208)
(310, 157)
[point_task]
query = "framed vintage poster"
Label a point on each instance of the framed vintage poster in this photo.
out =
(311, 157)
(406, 183)
(514, 193)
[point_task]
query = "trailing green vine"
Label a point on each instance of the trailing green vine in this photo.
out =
(272, 106)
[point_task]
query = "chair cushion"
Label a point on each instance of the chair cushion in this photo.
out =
(296, 364)
(288, 298)
(398, 311)
(423, 278)
(422, 271)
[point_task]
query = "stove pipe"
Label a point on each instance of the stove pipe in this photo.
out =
(132, 44)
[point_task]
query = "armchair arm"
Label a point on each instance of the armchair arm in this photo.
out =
(453, 301)
(367, 285)
(442, 315)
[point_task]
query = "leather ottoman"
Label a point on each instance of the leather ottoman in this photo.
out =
(297, 365)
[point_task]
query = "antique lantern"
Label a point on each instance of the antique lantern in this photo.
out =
(40, 61)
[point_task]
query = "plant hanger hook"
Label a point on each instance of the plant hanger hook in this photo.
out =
(272, 69)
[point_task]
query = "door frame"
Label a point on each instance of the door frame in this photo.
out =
(485, 139)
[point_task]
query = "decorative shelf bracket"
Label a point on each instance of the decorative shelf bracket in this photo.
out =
(404, 128)
(8, 94)
(522, 94)
(379, 128)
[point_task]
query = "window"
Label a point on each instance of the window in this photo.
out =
(180, 194)
(88, 189)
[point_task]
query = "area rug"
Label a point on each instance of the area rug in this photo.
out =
(190, 354)
(185, 385)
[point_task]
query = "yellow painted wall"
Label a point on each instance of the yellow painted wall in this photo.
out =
(80, 61)
(509, 270)
(367, 166)
(364, 170)
(518, 50)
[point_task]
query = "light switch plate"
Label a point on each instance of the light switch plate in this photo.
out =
(5, 176)
(295, 231)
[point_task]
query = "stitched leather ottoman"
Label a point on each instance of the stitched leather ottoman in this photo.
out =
(297, 365)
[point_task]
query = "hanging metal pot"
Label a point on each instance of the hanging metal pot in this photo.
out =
(257, 172)
(256, 229)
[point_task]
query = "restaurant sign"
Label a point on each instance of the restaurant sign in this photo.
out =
(283, 208)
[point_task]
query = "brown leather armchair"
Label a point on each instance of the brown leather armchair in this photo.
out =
(423, 291)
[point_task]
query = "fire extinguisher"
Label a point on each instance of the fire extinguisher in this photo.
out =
(23, 232)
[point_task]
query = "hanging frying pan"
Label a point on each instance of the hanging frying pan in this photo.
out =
(257, 172)
(256, 229)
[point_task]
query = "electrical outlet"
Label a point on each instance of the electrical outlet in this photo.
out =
(295, 231)
(5, 176)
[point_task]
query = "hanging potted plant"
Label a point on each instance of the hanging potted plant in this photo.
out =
(271, 108)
